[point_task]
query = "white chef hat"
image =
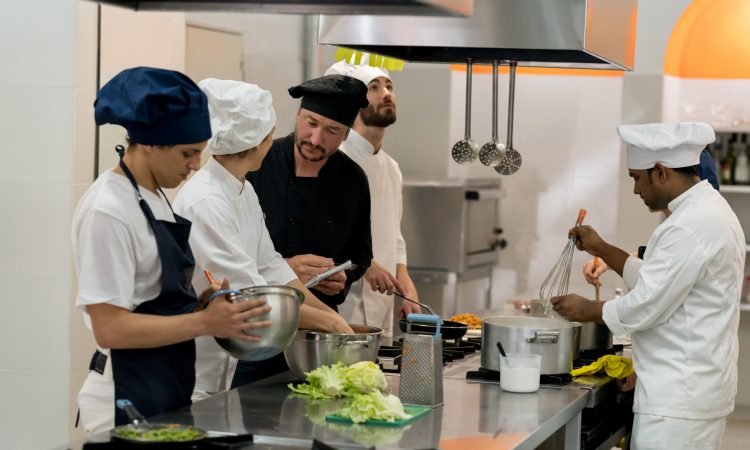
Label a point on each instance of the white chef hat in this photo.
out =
(362, 71)
(673, 145)
(242, 115)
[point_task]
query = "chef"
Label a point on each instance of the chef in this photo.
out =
(316, 200)
(132, 256)
(594, 268)
(370, 299)
(229, 237)
(683, 312)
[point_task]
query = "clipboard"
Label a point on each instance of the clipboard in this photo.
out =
(322, 276)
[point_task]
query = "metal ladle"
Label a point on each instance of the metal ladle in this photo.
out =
(493, 152)
(512, 161)
(466, 150)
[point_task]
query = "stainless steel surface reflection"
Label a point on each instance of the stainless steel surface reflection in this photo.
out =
(471, 411)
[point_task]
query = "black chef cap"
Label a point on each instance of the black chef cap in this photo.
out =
(156, 106)
(337, 97)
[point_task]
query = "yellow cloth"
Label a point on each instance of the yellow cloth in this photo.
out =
(615, 366)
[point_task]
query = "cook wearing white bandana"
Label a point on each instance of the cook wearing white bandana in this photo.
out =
(370, 299)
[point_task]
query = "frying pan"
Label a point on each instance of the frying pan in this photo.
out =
(139, 425)
(448, 328)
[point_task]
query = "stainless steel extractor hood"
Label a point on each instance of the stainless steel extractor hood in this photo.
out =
(588, 34)
(375, 7)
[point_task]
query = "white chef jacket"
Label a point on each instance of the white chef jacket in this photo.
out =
(230, 239)
(388, 246)
(683, 313)
(117, 262)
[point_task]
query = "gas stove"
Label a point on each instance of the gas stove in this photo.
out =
(389, 357)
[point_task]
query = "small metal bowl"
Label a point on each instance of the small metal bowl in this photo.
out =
(285, 303)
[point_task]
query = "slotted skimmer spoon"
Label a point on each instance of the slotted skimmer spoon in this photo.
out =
(493, 152)
(466, 150)
(556, 283)
(512, 161)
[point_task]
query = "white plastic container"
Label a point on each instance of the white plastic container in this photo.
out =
(520, 373)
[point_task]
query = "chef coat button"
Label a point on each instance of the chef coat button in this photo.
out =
(292, 221)
(291, 180)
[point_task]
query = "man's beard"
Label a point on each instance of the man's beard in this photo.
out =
(373, 118)
(322, 155)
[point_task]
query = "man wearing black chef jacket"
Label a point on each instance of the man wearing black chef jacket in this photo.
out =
(316, 200)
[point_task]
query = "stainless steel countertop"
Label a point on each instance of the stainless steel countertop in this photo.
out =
(474, 415)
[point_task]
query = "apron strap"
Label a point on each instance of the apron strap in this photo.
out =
(141, 201)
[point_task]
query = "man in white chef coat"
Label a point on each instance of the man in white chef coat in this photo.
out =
(229, 236)
(683, 312)
(370, 299)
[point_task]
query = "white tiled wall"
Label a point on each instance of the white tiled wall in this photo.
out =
(37, 113)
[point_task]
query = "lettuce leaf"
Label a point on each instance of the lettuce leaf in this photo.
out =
(375, 406)
(323, 383)
(363, 377)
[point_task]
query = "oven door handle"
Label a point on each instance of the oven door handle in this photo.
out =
(482, 194)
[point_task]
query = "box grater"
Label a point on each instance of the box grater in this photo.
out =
(422, 364)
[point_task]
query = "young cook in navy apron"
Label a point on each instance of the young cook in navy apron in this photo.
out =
(149, 361)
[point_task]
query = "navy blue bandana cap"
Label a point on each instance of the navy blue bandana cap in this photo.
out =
(156, 107)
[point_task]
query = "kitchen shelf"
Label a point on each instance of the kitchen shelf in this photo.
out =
(744, 306)
(734, 189)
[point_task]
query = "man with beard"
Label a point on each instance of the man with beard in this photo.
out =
(370, 299)
(315, 199)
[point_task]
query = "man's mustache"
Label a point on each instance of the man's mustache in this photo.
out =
(316, 147)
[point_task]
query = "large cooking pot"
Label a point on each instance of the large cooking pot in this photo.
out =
(595, 336)
(312, 349)
(557, 341)
(284, 316)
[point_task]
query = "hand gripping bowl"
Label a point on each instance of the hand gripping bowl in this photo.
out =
(285, 303)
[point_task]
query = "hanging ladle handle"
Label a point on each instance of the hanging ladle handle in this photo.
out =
(495, 63)
(467, 123)
(511, 97)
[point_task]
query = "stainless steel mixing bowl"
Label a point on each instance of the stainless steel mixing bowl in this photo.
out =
(285, 303)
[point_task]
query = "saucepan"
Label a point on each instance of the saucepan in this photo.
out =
(312, 349)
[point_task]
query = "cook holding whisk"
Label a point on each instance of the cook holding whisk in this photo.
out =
(683, 311)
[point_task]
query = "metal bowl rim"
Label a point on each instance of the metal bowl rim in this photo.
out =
(310, 335)
(253, 291)
(562, 324)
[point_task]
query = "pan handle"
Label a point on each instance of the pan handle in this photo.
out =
(544, 337)
(354, 342)
(134, 415)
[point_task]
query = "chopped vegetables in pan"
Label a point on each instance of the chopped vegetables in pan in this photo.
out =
(167, 433)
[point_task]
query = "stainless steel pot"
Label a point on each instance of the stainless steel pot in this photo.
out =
(595, 336)
(556, 341)
(284, 316)
(312, 349)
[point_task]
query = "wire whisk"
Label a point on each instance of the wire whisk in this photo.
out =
(557, 280)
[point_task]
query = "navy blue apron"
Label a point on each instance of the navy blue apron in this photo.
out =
(160, 379)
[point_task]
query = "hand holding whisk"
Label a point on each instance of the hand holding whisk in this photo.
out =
(557, 280)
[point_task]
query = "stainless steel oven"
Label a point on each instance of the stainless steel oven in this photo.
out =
(453, 234)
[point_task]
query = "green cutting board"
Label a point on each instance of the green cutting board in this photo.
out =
(415, 411)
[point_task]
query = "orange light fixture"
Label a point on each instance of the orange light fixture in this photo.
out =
(710, 40)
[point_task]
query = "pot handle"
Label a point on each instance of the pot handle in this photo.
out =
(544, 337)
(353, 342)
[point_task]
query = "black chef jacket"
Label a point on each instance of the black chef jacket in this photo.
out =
(328, 215)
